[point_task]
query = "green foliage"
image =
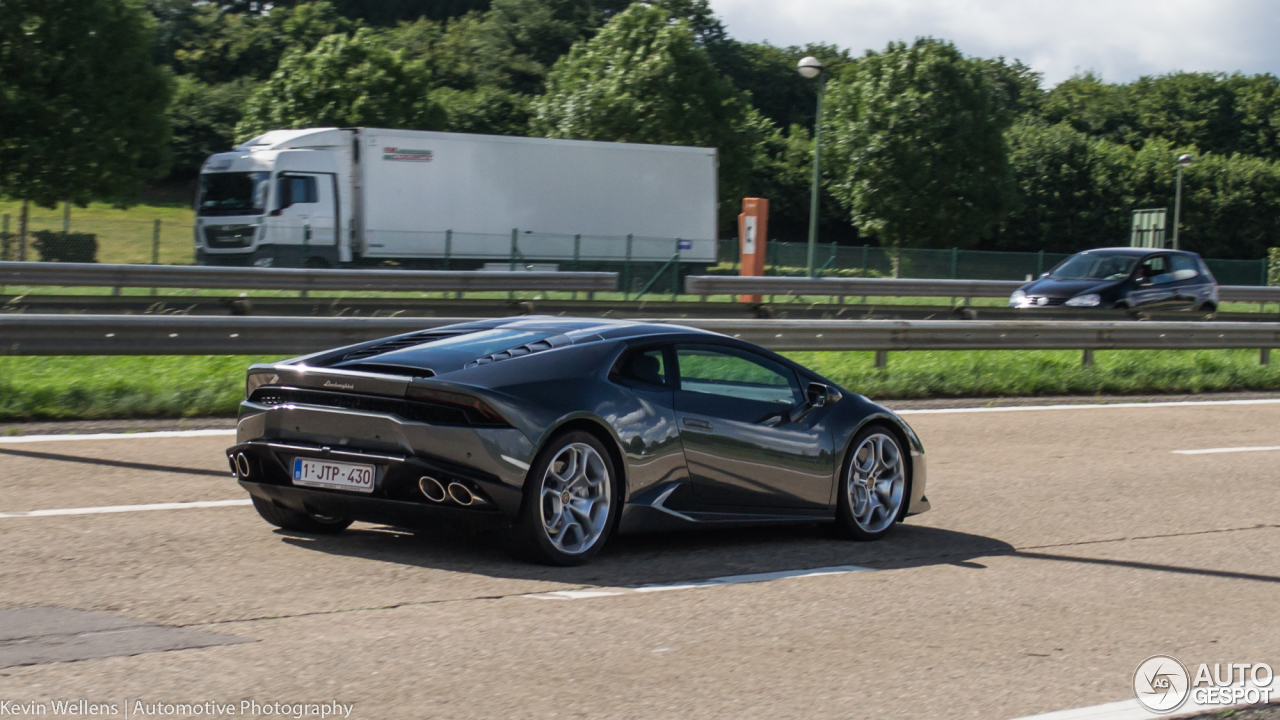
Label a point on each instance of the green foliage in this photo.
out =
(66, 247)
(203, 118)
(644, 79)
(1072, 190)
(344, 81)
(81, 105)
(782, 171)
(915, 134)
(217, 45)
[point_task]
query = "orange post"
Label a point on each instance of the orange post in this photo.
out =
(753, 229)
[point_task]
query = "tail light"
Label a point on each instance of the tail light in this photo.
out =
(475, 408)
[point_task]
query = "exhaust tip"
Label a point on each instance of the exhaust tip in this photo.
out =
(431, 488)
(242, 465)
(461, 494)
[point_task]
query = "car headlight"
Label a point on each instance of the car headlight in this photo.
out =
(1017, 298)
(1090, 300)
(258, 378)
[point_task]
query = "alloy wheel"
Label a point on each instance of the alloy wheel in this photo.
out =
(876, 482)
(575, 497)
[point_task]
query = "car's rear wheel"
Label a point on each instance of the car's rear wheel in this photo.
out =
(568, 506)
(874, 486)
(298, 521)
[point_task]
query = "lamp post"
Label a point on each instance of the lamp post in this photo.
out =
(1183, 161)
(810, 67)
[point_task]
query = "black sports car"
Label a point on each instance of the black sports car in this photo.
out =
(1126, 279)
(560, 431)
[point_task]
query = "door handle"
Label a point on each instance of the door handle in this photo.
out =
(697, 423)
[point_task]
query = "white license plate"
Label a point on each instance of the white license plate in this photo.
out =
(336, 475)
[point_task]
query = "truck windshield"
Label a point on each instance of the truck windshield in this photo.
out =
(233, 193)
(1094, 266)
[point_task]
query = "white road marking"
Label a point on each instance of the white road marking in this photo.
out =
(1211, 451)
(713, 582)
(20, 439)
(126, 508)
(1028, 408)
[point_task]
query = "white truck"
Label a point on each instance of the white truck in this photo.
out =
(323, 197)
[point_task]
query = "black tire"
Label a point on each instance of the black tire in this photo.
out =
(848, 514)
(1207, 307)
(529, 538)
(296, 521)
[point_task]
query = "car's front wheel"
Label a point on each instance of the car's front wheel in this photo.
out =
(874, 486)
(298, 521)
(569, 504)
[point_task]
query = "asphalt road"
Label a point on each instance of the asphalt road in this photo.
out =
(1065, 546)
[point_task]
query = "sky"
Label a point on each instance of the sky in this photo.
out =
(1121, 40)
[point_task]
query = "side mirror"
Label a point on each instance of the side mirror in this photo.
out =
(817, 394)
(1044, 274)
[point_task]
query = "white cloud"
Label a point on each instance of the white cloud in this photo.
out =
(1121, 39)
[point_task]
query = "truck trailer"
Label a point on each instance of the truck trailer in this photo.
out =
(326, 197)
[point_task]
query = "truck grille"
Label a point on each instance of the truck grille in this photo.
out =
(228, 236)
(412, 410)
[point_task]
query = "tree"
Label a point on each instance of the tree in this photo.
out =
(204, 118)
(918, 156)
(81, 105)
(644, 79)
(344, 81)
(217, 45)
(1073, 190)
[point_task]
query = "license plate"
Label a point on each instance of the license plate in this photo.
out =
(335, 475)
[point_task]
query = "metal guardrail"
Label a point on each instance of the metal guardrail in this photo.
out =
(235, 335)
(204, 277)
(889, 287)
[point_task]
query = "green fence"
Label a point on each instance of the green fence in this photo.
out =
(171, 242)
(872, 261)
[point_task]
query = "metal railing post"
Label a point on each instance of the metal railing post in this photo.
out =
(675, 272)
(155, 247)
(22, 233)
(882, 358)
(448, 247)
(66, 218)
(577, 254)
(1264, 356)
(626, 271)
(1039, 263)
(1086, 360)
(4, 237)
(865, 250)
(515, 245)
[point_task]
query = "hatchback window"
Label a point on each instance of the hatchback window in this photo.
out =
(1155, 270)
(1094, 266)
(1184, 267)
(716, 371)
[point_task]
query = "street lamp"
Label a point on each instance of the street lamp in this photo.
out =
(811, 68)
(1183, 161)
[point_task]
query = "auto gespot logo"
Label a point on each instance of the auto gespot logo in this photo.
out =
(406, 154)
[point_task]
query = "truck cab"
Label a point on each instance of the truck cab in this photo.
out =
(281, 199)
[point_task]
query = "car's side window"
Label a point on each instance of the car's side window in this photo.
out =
(645, 366)
(737, 374)
(1156, 270)
(1184, 267)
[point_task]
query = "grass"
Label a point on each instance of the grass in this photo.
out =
(996, 373)
(124, 235)
(65, 388)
